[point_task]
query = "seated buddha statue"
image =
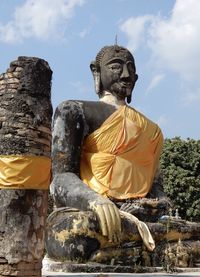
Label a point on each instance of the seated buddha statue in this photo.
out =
(105, 157)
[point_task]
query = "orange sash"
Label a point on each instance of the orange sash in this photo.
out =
(25, 172)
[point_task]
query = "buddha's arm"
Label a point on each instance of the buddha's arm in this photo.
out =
(69, 129)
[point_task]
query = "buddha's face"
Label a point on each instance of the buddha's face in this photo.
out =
(117, 71)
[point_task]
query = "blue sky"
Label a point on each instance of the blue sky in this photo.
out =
(163, 35)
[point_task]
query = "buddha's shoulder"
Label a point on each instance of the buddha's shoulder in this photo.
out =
(78, 104)
(142, 119)
(84, 108)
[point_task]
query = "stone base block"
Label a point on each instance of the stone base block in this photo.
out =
(22, 269)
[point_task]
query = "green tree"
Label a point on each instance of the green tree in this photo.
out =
(180, 164)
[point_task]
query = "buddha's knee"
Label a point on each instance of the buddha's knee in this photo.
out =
(72, 234)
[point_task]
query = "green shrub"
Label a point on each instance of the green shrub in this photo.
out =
(180, 164)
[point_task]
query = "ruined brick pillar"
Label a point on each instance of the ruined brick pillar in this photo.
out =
(25, 165)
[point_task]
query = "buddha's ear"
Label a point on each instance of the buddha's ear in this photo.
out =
(93, 67)
(96, 74)
(130, 96)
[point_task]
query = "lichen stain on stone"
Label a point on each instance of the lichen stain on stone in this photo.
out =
(62, 236)
(81, 224)
(175, 235)
(80, 248)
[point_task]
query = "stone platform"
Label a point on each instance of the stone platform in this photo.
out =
(59, 274)
(57, 269)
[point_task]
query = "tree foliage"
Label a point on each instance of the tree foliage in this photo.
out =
(180, 163)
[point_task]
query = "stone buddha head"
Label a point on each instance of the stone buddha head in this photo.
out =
(114, 71)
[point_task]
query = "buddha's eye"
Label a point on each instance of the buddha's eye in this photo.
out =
(115, 66)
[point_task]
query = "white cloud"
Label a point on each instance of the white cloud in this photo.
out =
(8, 33)
(135, 29)
(84, 32)
(174, 42)
(156, 80)
(162, 120)
(41, 19)
(191, 97)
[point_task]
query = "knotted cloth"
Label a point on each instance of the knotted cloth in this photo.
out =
(121, 157)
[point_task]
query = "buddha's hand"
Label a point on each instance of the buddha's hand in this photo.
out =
(109, 218)
(132, 208)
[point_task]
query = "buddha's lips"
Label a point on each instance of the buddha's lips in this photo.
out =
(125, 84)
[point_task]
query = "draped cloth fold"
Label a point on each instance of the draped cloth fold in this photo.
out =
(142, 229)
(25, 172)
(121, 157)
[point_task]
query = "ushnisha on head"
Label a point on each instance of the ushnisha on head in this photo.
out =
(114, 71)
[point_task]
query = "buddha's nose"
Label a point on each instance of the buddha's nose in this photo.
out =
(125, 72)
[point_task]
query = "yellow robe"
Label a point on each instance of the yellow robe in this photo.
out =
(121, 157)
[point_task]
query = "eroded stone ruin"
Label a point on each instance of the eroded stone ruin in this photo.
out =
(25, 132)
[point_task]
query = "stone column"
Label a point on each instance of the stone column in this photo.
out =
(25, 132)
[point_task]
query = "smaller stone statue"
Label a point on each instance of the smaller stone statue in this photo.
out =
(182, 257)
(170, 259)
(177, 214)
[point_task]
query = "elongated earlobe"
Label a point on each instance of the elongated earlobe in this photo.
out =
(96, 76)
(129, 99)
(97, 82)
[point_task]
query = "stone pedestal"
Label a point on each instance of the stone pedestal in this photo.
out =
(25, 131)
